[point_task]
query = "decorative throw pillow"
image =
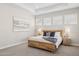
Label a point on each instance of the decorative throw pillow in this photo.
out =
(57, 34)
(46, 33)
(52, 34)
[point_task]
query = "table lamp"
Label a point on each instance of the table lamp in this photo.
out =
(67, 32)
(39, 31)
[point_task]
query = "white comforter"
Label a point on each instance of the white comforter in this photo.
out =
(40, 38)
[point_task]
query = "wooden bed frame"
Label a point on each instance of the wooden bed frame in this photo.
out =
(42, 45)
(49, 46)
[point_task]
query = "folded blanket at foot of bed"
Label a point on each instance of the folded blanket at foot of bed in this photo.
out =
(51, 39)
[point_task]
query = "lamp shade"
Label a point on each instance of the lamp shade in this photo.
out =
(39, 31)
(67, 31)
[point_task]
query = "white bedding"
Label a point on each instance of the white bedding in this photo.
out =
(40, 38)
(59, 39)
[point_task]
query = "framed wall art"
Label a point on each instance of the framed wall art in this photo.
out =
(20, 24)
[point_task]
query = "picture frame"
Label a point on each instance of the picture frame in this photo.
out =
(20, 24)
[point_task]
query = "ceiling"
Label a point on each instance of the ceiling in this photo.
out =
(42, 8)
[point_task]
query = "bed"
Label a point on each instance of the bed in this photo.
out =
(41, 43)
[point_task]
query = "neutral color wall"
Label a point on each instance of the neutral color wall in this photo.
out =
(74, 28)
(7, 36)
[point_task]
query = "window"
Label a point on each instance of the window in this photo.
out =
(70, 19)
(47, 21)
(38, 21)
(57, 20)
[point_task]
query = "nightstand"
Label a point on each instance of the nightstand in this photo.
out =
(66, 41)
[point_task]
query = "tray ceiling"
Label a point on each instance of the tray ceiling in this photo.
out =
(42, 8)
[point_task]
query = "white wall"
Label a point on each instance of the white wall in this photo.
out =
(7, 36)
(73, 28)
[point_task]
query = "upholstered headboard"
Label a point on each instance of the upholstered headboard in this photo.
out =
(51, 30)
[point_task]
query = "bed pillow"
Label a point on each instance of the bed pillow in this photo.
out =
(52, 34)
(57, 34)
(46, 33)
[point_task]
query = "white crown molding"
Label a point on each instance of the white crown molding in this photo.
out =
(51, 8)
(64, 7)
(25, 7)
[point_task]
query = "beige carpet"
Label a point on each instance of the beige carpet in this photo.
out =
(24, 50)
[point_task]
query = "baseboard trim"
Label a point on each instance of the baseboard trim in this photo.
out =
(14, 44)
(18, 43)
(74, 44)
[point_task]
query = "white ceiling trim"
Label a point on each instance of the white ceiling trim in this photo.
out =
(38, 10)
(58, 9)
(25, 7)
